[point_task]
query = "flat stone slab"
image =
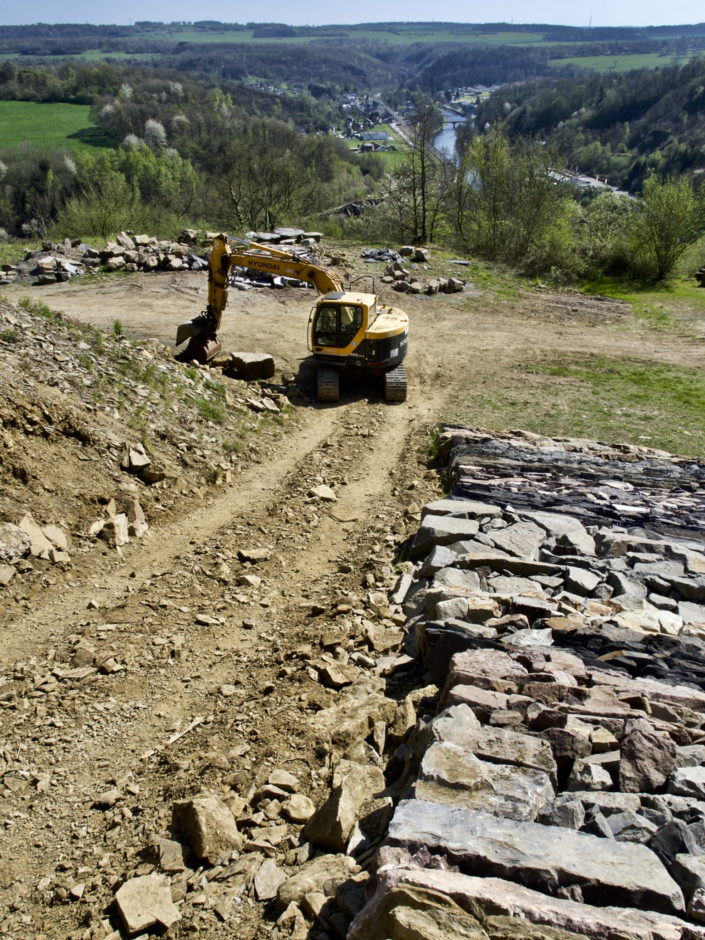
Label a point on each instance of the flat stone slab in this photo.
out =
(487, 669)
(454, 775)
(145, 901)
(458, 725)
(491, 897)
(463, 508)
(523, 539)
(441, 530)
(536, 855)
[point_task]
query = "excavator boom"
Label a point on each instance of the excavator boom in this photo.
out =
(228, 252)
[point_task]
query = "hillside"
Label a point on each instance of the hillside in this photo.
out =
(621, 127)
(370, 57)
(208, 652)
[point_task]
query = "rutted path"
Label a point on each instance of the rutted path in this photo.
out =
(147, 605)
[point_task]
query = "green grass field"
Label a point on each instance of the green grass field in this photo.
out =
(51, 125)
(619, 63)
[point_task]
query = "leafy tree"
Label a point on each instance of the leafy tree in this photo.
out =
(154, 134)
(506, 199)
(604, 232)
(422, 164)
(668, 218)
(105, 202)
(266, 177)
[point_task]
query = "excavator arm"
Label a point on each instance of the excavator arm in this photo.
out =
(227, 253)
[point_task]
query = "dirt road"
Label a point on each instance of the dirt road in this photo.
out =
(211, 640)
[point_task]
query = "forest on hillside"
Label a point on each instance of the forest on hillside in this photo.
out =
(202, 143)
(619, 127)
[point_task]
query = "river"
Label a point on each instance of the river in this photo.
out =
(444, 140)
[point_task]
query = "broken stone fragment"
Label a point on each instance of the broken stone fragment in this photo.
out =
(688, 781)
(114, 531)
(145, 901)
(588, 776)
(268, 879)
(253, 555)
(647, 757)
(298, 808)
(208, 826)
(57, 537)
(136, 522)
(284, 780)
(171, 855)
(7, 573)
(322, 874)
(134, 458)
(323, 492)
(15, 543)
(40, 546)
(353, 785)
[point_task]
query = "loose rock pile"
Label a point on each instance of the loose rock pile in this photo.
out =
(407, 282)
(559, 789)
(130, 252)
(59, 262)
(68, 391)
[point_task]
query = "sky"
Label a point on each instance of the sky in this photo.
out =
(320, 12)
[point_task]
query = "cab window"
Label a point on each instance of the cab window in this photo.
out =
(337, 324)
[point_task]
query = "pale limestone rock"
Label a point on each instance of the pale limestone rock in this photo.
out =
(40, 546)
(145, 901)
(208, 826)
(322, 874)
(268, 880)
(533, 912)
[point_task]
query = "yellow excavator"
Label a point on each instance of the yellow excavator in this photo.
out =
(347, 329)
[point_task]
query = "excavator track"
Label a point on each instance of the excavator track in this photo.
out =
(395, 384)
(328, 384)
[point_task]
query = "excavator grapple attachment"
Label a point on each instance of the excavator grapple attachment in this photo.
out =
(203, 339)
(200, 349)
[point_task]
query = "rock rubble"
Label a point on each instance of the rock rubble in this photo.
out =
(139, 252)
(556, 600)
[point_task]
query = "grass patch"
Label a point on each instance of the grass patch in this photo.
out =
(49, 124)
(620, 63)
(40, 309)
(14, 251)
(10, 336)
(677, 306)
(208, 410)
(595, 397)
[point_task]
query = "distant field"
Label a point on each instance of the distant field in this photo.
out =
(396, 34)
(51, 125)
(619, 63)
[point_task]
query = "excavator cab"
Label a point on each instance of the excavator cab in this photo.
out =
(337, 324)
(350, 330)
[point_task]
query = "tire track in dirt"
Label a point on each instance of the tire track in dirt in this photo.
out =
(366, 451)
